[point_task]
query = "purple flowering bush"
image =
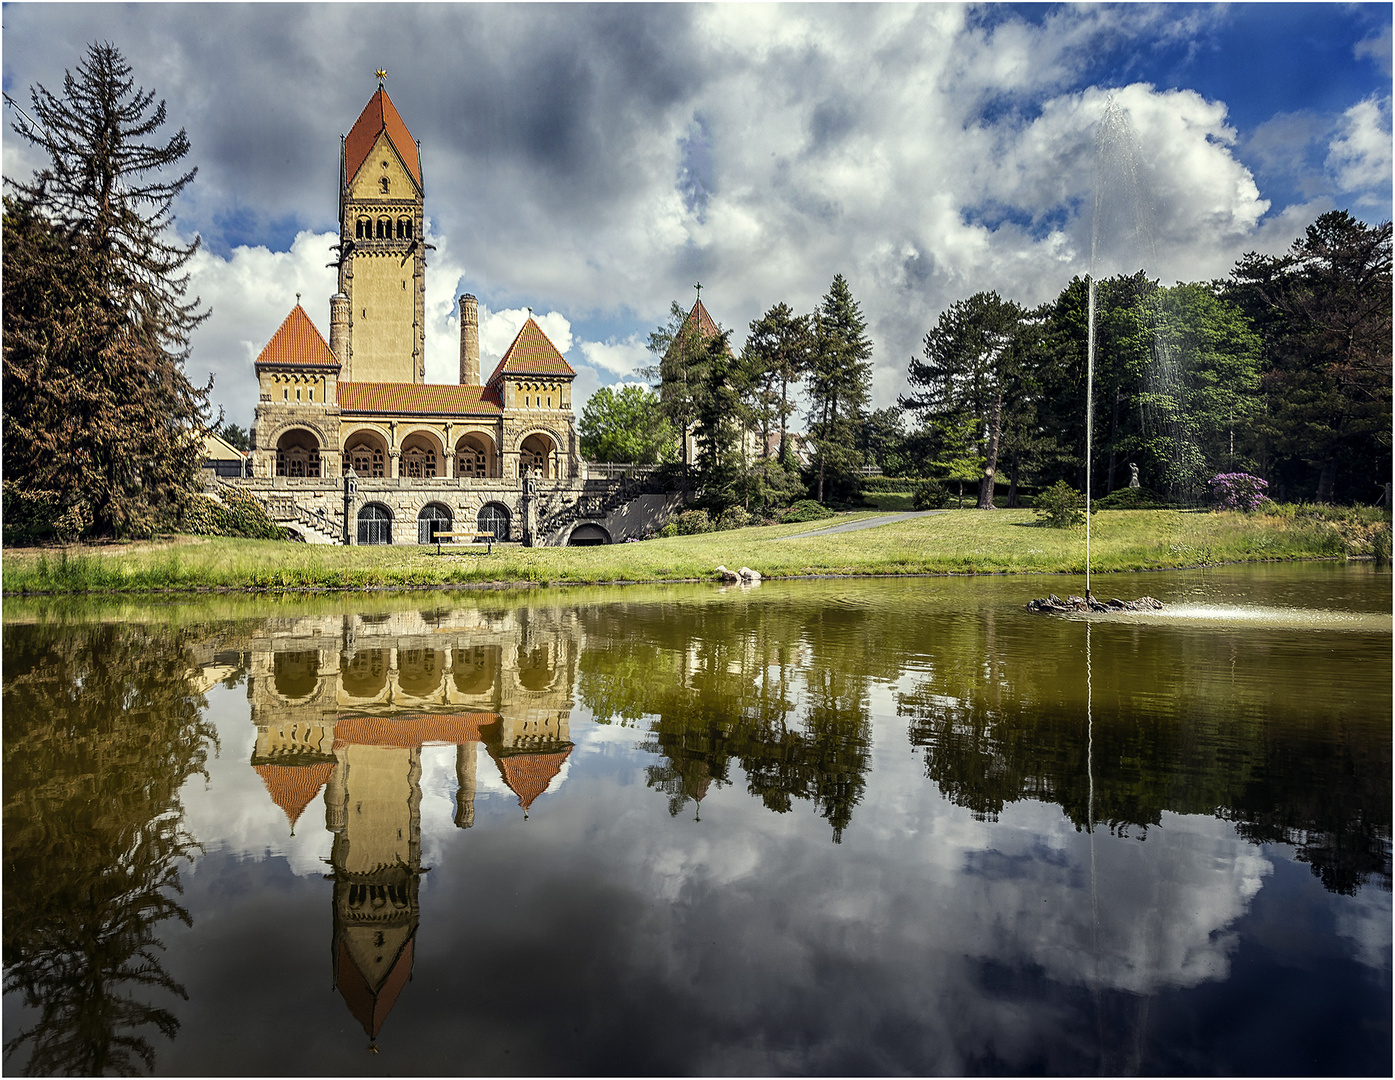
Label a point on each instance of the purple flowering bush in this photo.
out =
(1238, 491)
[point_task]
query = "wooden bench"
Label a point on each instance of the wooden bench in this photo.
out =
(451, 537)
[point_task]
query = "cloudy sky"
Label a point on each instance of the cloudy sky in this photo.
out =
(594, 162)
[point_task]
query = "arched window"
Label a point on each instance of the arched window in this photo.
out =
(469, 461)
(363, 229)
(384, 228)
(404, 228)
(493, 518)
(384, 185)
(302, 461)
(375, 524)
(433, 518)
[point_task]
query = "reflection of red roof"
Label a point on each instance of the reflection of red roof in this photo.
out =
(371, 1007)
(529, 774)
(443, 399)
(411, 731)
(531, 354)
(297, 342)
(379, 115)
(293, 787)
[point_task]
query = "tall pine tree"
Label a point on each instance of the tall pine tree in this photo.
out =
(839, 384)
(97, 408)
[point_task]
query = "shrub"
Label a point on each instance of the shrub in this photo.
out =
(931, 495)
(669, 531)
(692, 522)
(806, 510)
(1060, 506)
(29, 516)
(1130, 499)
(733, 517)
(1238, 491)
(239, 514)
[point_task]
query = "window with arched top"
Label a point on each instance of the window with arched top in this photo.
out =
(404, 228)
(493, 518)
(384, 228)
(375, 524)
(384, 185)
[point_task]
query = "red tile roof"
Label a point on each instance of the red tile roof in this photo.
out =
(412, 731)
(379, 115)
(528, 775)
(419, 399)
(707, 326)
(531, 354)
(293, 787)
(297, 342)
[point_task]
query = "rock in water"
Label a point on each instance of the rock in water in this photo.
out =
(1053, 604)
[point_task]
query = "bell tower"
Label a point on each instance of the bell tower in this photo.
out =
(382, 254)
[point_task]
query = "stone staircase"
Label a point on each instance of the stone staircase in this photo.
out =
(598, 505)
(312, 526)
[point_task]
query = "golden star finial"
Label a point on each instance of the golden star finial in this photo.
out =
(381, 76)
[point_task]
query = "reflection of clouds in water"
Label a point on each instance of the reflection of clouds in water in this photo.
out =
(233, 811)
(1364, 919)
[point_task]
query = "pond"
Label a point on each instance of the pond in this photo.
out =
(828, 827)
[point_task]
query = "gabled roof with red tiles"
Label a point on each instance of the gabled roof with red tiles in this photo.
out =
(378, 116)
(528, 775)
(418, 399)
(531, 354)
(370, 1005)
(298, 342)
(707, 326)
(294, 787)
(412, 731)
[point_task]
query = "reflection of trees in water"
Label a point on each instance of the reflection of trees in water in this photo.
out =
(781, 692)
(101, 729)
(1315, 774)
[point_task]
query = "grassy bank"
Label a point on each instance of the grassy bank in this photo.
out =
(957, 542)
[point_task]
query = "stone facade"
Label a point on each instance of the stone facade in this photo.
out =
(423, 458)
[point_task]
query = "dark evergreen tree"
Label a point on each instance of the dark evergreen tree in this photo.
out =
(839, 384)
(1324, 312)
(778, 353)
(96, 322)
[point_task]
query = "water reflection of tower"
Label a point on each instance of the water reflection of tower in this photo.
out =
(345, 705)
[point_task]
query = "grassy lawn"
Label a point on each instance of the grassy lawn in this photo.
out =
(956, 542)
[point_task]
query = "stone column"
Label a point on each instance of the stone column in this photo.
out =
(465, 755)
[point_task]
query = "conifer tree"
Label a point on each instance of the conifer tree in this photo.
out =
(839, 384)
(97, 408)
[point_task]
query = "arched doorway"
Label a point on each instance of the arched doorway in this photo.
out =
(375, 524)
(588, 534)
(493, 518)
(434, 518)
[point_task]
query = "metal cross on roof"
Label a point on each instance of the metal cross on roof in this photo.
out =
(698, 287)
(381, 76)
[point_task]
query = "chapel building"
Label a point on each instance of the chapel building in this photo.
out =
(351, 444)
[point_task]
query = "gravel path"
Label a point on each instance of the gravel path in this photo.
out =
(866, 523)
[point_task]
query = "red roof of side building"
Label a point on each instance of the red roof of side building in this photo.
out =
(379, 115)
(418, 399)
(298, 342)
(531, 354)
